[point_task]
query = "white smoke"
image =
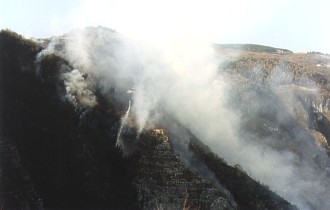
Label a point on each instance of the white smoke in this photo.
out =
(77, 89)
(182, 78)
(124, 122)
(50, 49)
(173, 69)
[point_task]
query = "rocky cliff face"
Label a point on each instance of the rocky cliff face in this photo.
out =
(284, 95)
(59, 136)
(284, 99)
(163, 182)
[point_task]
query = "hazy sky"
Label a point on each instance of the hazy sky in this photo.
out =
(297, 25)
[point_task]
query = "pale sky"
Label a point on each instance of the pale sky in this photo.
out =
(296, 25)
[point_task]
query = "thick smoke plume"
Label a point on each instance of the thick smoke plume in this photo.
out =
(174, 70)
(77, 89)
(179, 76)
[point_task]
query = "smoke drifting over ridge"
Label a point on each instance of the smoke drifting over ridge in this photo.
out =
(173, 68)
(180, 77)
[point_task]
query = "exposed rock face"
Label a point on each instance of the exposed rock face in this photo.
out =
(248, 193)
(163, 181)
(58, 151)
(284, 95)
(283, 101)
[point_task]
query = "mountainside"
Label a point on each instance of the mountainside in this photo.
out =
(70, 135)
(253, 48)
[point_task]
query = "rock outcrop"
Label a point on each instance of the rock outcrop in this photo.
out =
(163, 182)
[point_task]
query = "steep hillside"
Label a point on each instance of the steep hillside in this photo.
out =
(296, 84)
(70, 138)
(67, 156)
(252, 48)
